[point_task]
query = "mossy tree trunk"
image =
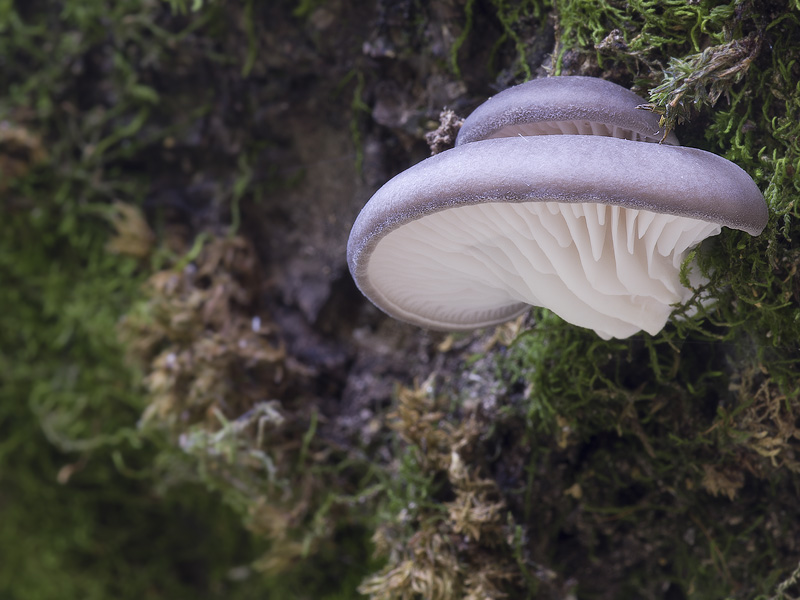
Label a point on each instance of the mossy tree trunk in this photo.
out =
(180, 329)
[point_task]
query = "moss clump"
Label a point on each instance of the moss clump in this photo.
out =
(237, 415)
(450, 533)
(206, 352)
(701, 79)
(634, 440)
(643, 34)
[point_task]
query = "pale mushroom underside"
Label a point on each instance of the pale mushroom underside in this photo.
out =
(576, 127)
(609, 268)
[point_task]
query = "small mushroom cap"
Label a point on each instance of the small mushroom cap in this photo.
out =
(564, 105)
(594, 228)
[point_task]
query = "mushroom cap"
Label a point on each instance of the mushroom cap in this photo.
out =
(564, 105)
(594, 228)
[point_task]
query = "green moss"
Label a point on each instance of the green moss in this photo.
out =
(469, 10)
(645, 466)
(687, 431)
(358, 110)
(645, 33)
(511, 15)
(670, 441)
(515, 19)
(78, 514)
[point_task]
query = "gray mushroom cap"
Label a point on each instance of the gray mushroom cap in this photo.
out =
(564, 105)
(594, 228)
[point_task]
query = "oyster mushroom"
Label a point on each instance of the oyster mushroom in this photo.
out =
(594, 228)
(564, 106)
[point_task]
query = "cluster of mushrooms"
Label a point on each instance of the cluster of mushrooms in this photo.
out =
(558, 193)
